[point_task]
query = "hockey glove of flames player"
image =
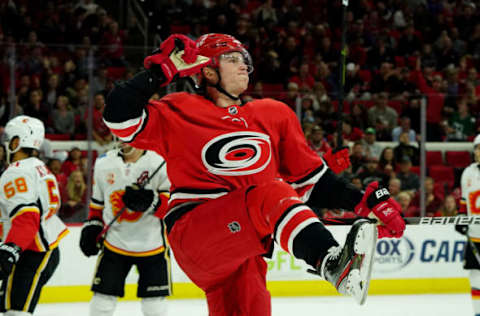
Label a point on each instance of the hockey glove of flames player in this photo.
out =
(9, 255)
(177, 56)
(139, 199)
(388, 211)
(462, 229)
(88, 238)
(338, 160)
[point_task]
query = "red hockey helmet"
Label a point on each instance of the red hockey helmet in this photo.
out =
(214, 45)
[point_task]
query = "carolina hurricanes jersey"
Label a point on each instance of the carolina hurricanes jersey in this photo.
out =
(212, 150)
(133, 233)
(28, 186)
(470, 182)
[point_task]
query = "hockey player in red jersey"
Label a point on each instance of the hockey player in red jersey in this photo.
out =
(242, 178)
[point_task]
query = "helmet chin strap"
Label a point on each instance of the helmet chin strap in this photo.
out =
(220, 89)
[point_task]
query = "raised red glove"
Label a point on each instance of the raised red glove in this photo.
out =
(178, 55)
(388, 211)
(338, 159)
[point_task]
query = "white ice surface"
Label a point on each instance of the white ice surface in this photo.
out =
(401, 305)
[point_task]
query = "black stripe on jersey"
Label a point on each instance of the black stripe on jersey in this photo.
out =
(280, 219)
(40, 230)
(96, 201)
(199, 191)
(20, 206)
(310, 175)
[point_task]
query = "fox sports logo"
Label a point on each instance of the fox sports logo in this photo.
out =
(393, 254)
(239, 153)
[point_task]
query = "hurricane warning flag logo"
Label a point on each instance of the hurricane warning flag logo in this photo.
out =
(238, 153)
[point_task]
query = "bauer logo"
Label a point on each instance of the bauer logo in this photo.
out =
(393, 254)
(239, 153)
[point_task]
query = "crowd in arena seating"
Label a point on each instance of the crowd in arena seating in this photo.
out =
(399, 53)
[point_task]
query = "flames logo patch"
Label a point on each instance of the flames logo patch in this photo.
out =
(239, 153)
(117, 205)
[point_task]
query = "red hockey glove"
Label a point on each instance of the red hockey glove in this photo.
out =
(178, 55)
(385, 208)
(338, 159)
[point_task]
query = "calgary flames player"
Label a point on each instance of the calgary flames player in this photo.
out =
(31, 230)
(242, 177)
(136, 179)
(470, 204)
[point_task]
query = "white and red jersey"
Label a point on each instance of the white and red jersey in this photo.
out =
(133, 233)
(29, 201)
(470, 183)
(211, 151)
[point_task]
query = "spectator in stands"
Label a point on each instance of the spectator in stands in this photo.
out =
(359, 115)
(354, 85)
(384, 79)
(37, 108)
(113, 41)
(52, 91)
(435, 97)
(100, 131)
(269, 68)
(449, 207)
(409, 43)
(293, 97)
(432, 201)
(369, 173)
(404, 127)
(357, 158)
(73, 161)
(74, 203)
(461, 124)
(317, 141)
(351, 132)
(405, 149)
(63, 117)
(412, 111)
(372, 148)
(404, 199)
(100, 80)
(303, 79)
(380, 53)
(309, 105)
(321, 93)
(383, 113)
(410, 181)
(382, 132)
(387, 159)
(394, 187)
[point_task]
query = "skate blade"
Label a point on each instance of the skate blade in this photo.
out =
(365, 244)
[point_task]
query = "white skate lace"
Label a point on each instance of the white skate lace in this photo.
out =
(332, 252)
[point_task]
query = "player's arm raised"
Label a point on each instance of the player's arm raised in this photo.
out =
(124, 111)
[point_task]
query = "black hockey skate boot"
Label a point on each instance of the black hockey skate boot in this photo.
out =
(349, 268)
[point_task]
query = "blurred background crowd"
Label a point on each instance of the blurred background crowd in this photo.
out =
(60, 57)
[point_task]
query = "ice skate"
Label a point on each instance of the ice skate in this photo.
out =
(349, 268)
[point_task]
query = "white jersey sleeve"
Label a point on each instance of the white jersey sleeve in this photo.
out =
(97, 199)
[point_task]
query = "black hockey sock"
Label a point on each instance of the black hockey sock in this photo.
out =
(312, 243)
